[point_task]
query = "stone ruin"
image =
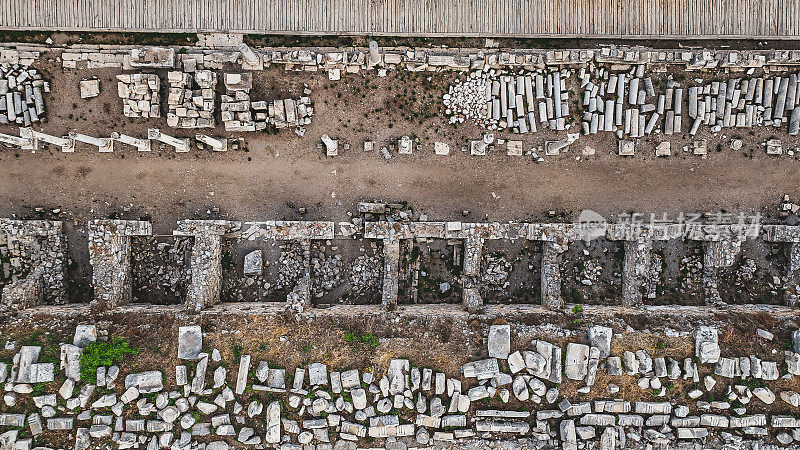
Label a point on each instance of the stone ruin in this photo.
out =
(32, 255)
(191, 99)
(401, 403)
(239, 113)
(109, 256)
(140, 94)
(40, 244)
(21, 95)
(29, 139)
(626, 103)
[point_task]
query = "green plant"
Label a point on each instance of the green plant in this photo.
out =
(577, 309)
(38, 389)
(236, 349)
(99, 354)
(368, 339)
(227, 260)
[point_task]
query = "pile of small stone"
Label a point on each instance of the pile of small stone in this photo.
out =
(495, 270)
(326, 271)
(691, 268)
(191, 99)
(160, 267)
(21, 100)
(290, 265)
(654, 277)
(590, 273)
(140, 94)
(746, 271)
(365, 274)
(466, 99)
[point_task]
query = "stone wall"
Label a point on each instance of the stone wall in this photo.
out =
(40, 244)
(109, 256)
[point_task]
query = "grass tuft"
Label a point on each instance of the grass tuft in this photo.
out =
(99, 354)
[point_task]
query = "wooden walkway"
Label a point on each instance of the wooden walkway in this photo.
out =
(520, 18)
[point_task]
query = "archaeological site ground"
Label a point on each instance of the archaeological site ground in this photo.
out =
(400, 224)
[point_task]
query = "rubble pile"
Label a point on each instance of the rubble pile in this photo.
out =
(404, 404)
(746, 270)
(365, 274)
(495, 270)
(589, 274)
(160, 269)
(691, 269)
(140, 94)
(290, 265)
(191, 99)
(654, 278)
(466, 99)
(21, 95)
(326, 270)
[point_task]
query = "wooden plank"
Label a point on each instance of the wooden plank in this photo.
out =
(584, 18)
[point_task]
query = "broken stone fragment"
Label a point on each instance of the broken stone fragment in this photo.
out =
(499, 341)
(253, 263)
(706, 345)
(190, 342)
(577, 358)
(600, 337)
(145, 382)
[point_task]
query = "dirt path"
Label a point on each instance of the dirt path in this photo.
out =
(270, 185)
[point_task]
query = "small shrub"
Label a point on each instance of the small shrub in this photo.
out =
(236, 349)
(99, 354)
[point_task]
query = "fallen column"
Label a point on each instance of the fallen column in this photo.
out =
(206, 260)
(104, 145)
(67, 144)
(17, 141)
(109, 256)
(143, 145)
(250, 60)
(217, 145)
(794, 122)
(181, 145)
